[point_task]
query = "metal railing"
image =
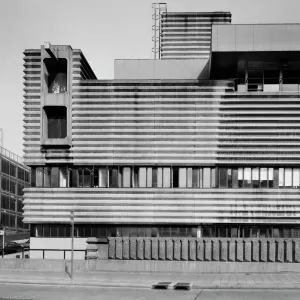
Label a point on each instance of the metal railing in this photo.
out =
(11, 155)
(260, 84)
(24, 252)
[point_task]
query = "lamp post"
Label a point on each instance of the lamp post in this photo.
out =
(72, 236)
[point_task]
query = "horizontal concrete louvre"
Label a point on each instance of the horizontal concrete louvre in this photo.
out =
(176, 28)
(237, 250)
(32, 89)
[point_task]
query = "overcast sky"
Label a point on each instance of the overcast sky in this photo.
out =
(103, 30)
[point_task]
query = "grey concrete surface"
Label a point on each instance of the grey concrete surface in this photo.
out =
(15, 291)
(146, 279)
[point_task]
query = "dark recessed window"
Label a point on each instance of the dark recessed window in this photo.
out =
(56, 117)
(56, 75)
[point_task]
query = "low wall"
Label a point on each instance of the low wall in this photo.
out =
(195, 249)
(196, 267)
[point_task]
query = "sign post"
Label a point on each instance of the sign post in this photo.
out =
(2, 232)
(72, 246)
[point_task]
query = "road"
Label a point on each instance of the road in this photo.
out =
(33, 292)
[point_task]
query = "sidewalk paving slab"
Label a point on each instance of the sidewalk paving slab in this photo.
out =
(146, 280)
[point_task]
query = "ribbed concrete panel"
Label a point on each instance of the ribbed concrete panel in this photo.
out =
(146, 122)
(188, 35)
(170, 206)
(32, 105)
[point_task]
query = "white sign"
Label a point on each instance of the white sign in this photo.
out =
(1, 232)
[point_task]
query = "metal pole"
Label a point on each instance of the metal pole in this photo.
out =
(3, 244)
(72, 246)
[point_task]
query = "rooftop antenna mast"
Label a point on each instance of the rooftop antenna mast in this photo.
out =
(157, 10)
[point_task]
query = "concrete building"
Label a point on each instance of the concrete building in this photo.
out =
(14, 177)
(204, 145)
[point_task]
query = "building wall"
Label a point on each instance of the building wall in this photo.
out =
(145, 69)
(255, 37)
(188, 35)
(14, 177)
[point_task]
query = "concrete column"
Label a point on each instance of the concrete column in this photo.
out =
(192, 249)
(125, 247)
(119, 248)
(140, 248)
(177, 249)
(263, 250)
(154, 248)
(170, 249)
(132, 248)
(162, 249)
(224, 249)
(111, 248)
(232, 250)
(271, 250)
(147, 249)
(297, 251)
(280, 251)
(248, 250)
(200, 249)
(240, 250)
(215, 250)
(208, 249)
(184, 249)
(289, 250)
(255, 250)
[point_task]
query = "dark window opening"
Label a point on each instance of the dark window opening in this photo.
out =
(56, 75)
(56, 121)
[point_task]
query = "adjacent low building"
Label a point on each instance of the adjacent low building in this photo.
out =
(14, 177)
(202, 145)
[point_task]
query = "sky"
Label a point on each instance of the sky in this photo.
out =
(104, 30)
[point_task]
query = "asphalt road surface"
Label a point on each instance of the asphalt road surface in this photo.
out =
(30, 292)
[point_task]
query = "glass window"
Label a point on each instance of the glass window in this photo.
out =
(195, 183)
(56, 121)
(87, 177)
(189, 179)
(182, 177)
(39, 177)
(206, 178)
(154, 177)
(142, 177)
(102, 175)
(264, 177)
(175, 173)
(281, 177)
(135, 177)
(275, 182)
(63, 177)
(149, 177)
(56, 75)
(255, 178)
(159, 177)
(296, 177)
(201, 178)
(223, 177)
(47, 177)
(214, 178)
(13, 170)
(126, 177)
(240, 177)
(247, 177)
(229, 176)
(113, 177)
(54, 177)
(235, 178)
(288, 177)
(166, 177)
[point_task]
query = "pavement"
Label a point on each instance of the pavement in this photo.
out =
(147, 279)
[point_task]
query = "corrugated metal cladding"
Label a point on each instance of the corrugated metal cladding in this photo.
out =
(188, 35)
